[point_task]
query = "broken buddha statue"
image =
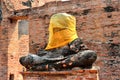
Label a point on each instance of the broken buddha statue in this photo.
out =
(64, 50)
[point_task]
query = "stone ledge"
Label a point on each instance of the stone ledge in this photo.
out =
(61, 75)
(72, 72)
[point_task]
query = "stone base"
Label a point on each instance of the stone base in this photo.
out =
(61, 75)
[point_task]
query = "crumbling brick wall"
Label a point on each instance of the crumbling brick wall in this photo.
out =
(3, 49)
(24, 4)
(97, 22)
(11, 47)
(96, 25)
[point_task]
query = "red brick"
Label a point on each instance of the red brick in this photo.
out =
(95, 28)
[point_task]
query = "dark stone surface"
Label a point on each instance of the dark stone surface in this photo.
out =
(75, 54)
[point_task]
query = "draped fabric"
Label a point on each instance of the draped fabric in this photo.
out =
(62, 30)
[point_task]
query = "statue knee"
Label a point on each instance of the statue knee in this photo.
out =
(87, 58)
(26, 61)
(89, 54)
(21, 60)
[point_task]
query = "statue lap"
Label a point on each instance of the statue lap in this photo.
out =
(75, 54)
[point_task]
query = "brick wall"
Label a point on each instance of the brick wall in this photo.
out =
(3, 53)
(11, 47)
(95, 25)
(62, 75)
(97, 22)
(17, 47)
(10, 50)
(3, 48)
(37, 34)
(17, 4)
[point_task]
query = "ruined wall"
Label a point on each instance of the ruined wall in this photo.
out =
(24, 4)
(37, 41)
(13, 44)
(3, 48)
(18, 46)
(97, 22)
(11, 47)
(15, 48)
(3, 53)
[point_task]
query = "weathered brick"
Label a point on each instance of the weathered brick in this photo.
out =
(62, 75)
(94, 24)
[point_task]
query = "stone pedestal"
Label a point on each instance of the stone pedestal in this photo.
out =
(61, 75)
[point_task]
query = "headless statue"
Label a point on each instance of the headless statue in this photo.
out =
(64, 50)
